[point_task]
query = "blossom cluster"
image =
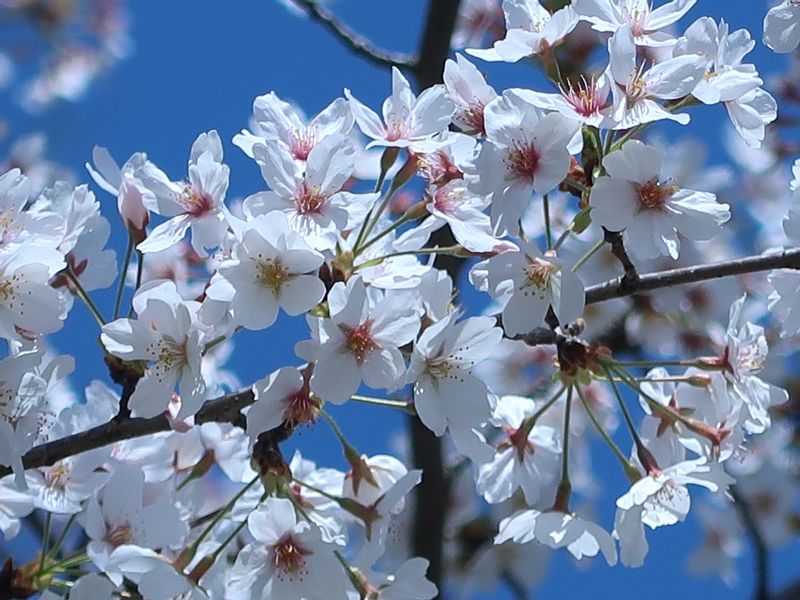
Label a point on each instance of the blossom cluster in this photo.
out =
(548, 195)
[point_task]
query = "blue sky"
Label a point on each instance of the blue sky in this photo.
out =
(197, 66)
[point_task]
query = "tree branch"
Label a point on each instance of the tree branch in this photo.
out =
(614, 238)
(352, 39)
(224, 409)
(759, 546)
(618, 287)
(227, 408)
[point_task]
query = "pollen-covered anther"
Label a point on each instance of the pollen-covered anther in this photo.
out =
(653, 195)
(309, 200)
(538, 273)
(272, 274)
(583, 97)
(289, 558)
(523, 160)
(196, 202)
(359, 341)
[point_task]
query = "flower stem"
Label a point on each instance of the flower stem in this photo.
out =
(57, 545)
(407, 407)
(591, 252)
(547, 230)
(78, 290)
(45, 539)
(123, 272)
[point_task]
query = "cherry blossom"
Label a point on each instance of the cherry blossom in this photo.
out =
(408, 121)
(167, 335)
(196, 204)
(530, 29)
(359, 342)
(645, 22)
(652, 212)
(288, 560)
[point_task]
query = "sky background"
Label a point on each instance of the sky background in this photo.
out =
(197, 65)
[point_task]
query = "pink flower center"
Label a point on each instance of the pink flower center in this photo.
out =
(396, 128)
(300, 408)
(359, 341)
(289, 558)
(653, 195)
(119, 534)
(195, 202)
(472, 118)
(302, 142)
(310, 200)
(538, 273)
(446, 199)
(583, 97)
(523, 161)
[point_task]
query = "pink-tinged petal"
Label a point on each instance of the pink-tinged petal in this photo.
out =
(635, 162)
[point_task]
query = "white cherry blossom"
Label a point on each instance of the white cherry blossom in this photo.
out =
(408, 121)
(646, 23)
(196, 204)
(530, 29)
(782, 26)
(166, 334)
(359, 342)
(651, 211)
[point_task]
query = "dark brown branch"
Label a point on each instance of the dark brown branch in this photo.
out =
(617, 287)
(433, 493)
(223, 409)
(352, 39)
(227, 408)
(759, 545)
(614, 238)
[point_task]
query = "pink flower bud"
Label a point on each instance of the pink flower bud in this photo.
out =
(132, 209)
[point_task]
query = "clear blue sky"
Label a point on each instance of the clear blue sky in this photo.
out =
(198, 66)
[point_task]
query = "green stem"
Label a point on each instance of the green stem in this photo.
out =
(219, 516)
(122, 275)
(139, 274)
(380, 259)
(626, 415)
(565, 455)
(78, 290)
(591, 252)
(563, 237)
(45, 539)
(407, 407)
(401, 221)
(57, 545)
(603, 433)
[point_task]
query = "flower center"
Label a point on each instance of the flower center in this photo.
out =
(272, 275)
(523, 160)
(396, 128)
(310, 200)
(120, 534)
(196, 202)
(302, 142)
(583, 97)
(653, 195)
(446, 199)
(57, 476)
(472, 117)
(538, 274)
(288, 557)
(359, 341)
(300, 408)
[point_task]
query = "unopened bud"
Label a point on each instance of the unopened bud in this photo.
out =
(131, 208)
(699, 380)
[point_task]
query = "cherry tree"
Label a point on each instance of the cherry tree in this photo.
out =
(533, 276)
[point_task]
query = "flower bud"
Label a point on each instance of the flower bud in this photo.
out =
(134, 214)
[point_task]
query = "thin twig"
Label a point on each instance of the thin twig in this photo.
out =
(354, 40)
(616, 288)
(614, 238)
